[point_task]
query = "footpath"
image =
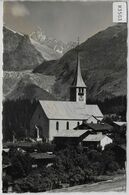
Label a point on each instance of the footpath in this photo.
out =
(113, 183)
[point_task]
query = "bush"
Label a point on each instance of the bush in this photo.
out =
(72, 165)
(21, 164)
(121, 171)
(97, 168)
(113, 166)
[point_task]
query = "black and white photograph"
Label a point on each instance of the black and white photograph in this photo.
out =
(64, 98)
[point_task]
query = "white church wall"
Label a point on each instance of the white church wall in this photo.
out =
(62, 126)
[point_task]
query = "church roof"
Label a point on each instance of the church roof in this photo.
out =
(71, 133)
(69, 110)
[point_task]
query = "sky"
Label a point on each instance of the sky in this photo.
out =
(64, 21)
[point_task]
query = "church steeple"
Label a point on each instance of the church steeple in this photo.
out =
(78, 88)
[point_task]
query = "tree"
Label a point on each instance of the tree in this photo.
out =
(21, 164)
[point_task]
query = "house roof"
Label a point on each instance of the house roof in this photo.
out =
(69, 110)
(4, 166)
(95, 117)
(100, 126)
(119, 123)
(70, 133)
(99, 118)
(37, 156)
(123, 146)
(5, 149)
(95, 126)
(94, 137)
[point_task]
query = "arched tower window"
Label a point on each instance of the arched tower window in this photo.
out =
(67, 125)
(57, 125)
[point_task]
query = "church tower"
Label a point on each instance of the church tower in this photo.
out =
(78, 88)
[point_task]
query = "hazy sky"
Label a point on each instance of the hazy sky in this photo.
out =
(61, 20)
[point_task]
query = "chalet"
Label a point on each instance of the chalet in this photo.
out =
(41, 159)
(120, 125)
(93, 119)
(51, 117)
(104, 128)
(96, 140)
(73, 137)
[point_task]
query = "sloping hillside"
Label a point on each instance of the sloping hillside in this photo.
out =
(23, 53)
(12, 79)
(103, 65)
(30, 91)
(19, 53)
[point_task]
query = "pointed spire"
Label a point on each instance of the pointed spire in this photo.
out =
(78, 81)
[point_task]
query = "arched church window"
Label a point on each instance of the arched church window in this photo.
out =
(67, 125)
(57, 125)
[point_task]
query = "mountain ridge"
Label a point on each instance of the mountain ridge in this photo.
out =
(23, 53)
(103, 65)
(57, 45)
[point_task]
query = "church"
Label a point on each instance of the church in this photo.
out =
(51, 117)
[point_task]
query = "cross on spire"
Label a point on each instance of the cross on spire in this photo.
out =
(78, 40)
(78, 43)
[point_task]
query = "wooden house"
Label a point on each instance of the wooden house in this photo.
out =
(96, 140)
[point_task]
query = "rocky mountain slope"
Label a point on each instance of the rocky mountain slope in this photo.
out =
(103, 65)
(47, 52)
(57, 45)
(14, 81)
(23, 53)
(19, 53)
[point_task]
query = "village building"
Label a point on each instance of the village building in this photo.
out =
(120, 125)
(99, 127)
(93, 119)
(74, 137)
(42, 159)
(96, 140)
(51, 117)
